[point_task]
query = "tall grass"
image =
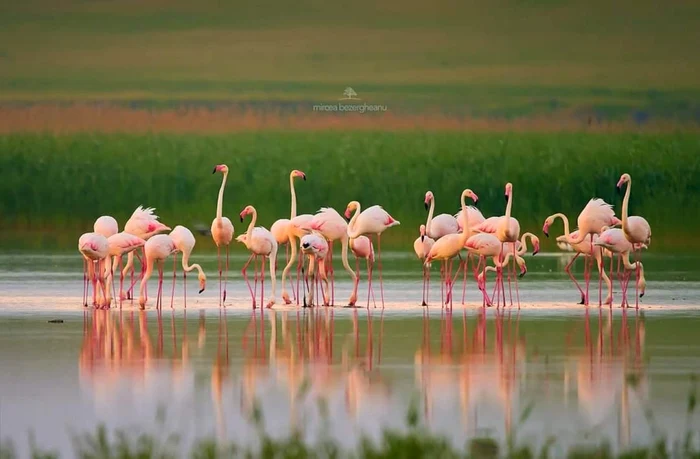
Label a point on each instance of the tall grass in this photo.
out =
(59, 184)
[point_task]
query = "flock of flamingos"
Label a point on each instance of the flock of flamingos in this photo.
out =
(442, 238)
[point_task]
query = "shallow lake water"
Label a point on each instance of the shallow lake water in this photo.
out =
(552, 369)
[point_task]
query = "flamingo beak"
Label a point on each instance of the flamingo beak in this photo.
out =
(523, 272)
(347, 213)
(536, 251)
(506, 197)
(426, 205)
(214, 171)
(422, 237)
(476, 202)
(545, 230)
(303, 176)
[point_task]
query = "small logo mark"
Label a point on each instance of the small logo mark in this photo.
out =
(349, 94)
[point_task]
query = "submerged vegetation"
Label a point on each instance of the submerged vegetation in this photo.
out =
(53, 187)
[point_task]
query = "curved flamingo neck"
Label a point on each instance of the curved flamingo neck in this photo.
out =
(220, 201)
(523, 243)
(249, 232)
(187, 267)
(429, 222)
(351, 226)
(294, 196)
(146, 276)
(465, 221)
(625, 205)
(345, 241)
(564, 219)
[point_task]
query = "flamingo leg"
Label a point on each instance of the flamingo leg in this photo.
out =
(160, 283)
(172, 293)
(464, 281)
(612, 284)
(452, 282)
(129, 295)
(85, 281)
(379, 262)
(515, 275)
(255, 277)
(637, 256)
(423, 302)
(427, 286)
(369, 283)
(300, 268)
(94, 283)
(262, 281)
(442, 281)
(121, 279)
(510, 288)
(330, 267)
(218, 260)
(184, 288)
(599, 263)
(567, 269)
(245, 277)
(226, 274)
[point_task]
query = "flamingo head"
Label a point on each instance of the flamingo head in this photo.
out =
(523, 270)
(616, 221)
(422, 232)
(350, 208)
(296, 173)
(202, 281)
(535, 245)
(221, 168)
(428, 197)
(247, 211)
(470, 194)
(624, 178)
(545, 227)
(509, 190)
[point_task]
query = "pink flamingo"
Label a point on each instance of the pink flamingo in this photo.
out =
(449, 246)
(475, 218)
(221, 231)
(374, 220)
(106, 226)
(295, 230)
(594, 217)
(157, 249)
(331, 225)
(442, 224)
(635, 228)
(184, 242)
(316, 247)
(95, 248)
(614, 240)
(144, 224)
(422, 246)
(487, 245)
(280, 228)
(506, 229)
(119, 244)
(261, 243)
(481, 278)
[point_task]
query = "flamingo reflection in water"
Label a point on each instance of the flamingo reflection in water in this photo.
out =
(485, 374)
(121, 365)
(610, 371)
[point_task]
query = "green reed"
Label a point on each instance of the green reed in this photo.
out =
(57, 185)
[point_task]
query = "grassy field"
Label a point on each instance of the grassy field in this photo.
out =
(53, 187)
(510, 58)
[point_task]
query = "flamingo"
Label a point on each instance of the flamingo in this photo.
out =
(221, 230)
(280, 228)
(106, 226)
(614, 240)
(184, 242)
(374, 220)
(295, 230)
(449, 246)
(422, 246)
(442, 224)
(119, 244)
(487, 245)
(635, 228)
(583, 244)
(331, 225)
(144, 224)
(262, 243)
(95, 248)
(316, 247)
(506, 229)
(475, 218)
(481, 278)
(362, 248)
(157, 249)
